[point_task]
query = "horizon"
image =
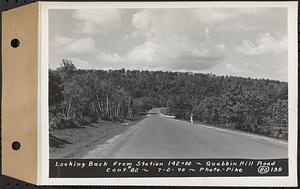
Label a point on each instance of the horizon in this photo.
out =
(167, 71)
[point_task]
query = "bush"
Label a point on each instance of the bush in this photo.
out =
(71, 123)
(55, 121)
(87, 120)
(59, 121)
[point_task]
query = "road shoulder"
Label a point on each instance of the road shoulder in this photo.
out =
(77, 142)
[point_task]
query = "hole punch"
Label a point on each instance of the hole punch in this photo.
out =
(15, 43)
(16, 145)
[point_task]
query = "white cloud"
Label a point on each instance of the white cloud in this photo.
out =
(105, 57)
(82, 45)
(175, 54)
(164, 44)
(173, 39)
(62, 40)
(97, 21)
(221, 46)
(264, 43)
(75, 46)
(126, 37)
(234, 69)
(168, 41)
(142, 22)
(80, 64)
(146, 53)
(170, 45)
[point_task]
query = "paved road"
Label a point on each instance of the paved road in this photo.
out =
(160, 137)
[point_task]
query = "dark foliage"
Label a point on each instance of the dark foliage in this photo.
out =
(254, 105)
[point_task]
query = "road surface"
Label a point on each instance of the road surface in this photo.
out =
(161, 137)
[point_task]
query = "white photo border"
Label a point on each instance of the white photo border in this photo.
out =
(43, 140)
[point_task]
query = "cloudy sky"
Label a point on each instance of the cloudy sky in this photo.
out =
(248, 42)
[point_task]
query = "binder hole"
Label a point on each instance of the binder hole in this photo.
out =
(16, 145)
(15, 43)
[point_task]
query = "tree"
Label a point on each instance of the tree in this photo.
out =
(255, 105)
(55, 88)
(67, 66)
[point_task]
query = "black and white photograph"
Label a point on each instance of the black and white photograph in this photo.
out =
(170, 83)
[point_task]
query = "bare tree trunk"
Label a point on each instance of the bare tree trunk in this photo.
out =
(103, 109)
(129, 108)
(110, 112)
(69, 110)
(118, 110)
(107, 106)
(99, 107)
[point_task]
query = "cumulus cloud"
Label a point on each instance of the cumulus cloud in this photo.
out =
(264, 43)
(97, 21)
(75, 46)
(166, 44)
(109, 57)
(233, 69)
(80, 64)
(62, 40)
(169, 39)
(147, 52)
(195, 39)
(173, 41)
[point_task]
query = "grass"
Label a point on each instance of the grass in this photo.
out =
(75, 142)
(233, 129)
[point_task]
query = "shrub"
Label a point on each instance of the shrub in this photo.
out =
(71, 123)
(56, 121)
(87, 120)
(59, 121)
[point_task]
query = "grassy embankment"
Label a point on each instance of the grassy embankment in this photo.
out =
(75, 142)
(166, 112)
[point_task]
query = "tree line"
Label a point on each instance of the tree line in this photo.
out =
(79, 97)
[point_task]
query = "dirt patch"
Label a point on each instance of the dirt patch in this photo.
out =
(75, 142)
